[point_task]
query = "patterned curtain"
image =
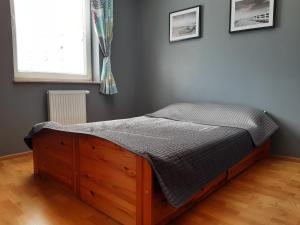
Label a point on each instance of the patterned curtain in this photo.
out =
(102, 14)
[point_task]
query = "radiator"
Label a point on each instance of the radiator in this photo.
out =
(67, 107)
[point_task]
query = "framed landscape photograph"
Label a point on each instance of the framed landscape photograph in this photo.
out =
(251, 14)
(185, 24)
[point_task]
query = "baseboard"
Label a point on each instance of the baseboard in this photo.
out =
(286, 158)
(15, 155)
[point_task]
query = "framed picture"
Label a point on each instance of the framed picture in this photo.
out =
(251, 14)
(185, 24)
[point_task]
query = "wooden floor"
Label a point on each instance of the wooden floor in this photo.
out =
(266, 194)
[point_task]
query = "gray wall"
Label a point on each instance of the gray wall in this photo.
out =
(256, 68)
(22, 105)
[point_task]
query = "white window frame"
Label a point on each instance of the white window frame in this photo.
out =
(58, 77)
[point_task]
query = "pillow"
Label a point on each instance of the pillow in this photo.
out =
(260, 126)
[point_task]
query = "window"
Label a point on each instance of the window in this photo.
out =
(52, 40)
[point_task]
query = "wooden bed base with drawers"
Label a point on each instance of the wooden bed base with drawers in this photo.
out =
(114, 180)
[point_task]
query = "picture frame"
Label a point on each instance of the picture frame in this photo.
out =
(248, 15)
(185, 24)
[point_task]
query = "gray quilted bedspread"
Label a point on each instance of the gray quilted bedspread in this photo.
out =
(185, 155)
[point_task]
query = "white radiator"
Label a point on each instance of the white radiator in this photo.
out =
(67, 107)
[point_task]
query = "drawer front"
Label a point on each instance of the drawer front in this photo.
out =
(55, 156)
(57, 142)
(58, 170)
(108, 153)
(95, 198)
(107, 178)
(111, 178)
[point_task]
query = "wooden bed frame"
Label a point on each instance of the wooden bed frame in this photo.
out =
(114, 180)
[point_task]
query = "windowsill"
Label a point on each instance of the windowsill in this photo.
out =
(22, 80)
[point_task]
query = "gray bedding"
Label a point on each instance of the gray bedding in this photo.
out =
(185, 154)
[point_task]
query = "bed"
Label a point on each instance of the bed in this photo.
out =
(148, 170)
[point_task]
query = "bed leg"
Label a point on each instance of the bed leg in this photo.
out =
(144, 193)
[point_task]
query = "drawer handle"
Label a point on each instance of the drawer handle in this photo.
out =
(164, 201)
(92, 193)
(62, 143)
(93, 147)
